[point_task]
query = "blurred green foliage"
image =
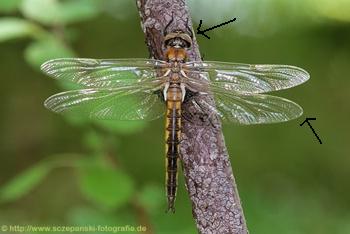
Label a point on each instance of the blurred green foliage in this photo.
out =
(23, 182)
(74, 171)
(14, 28)
(107, 193)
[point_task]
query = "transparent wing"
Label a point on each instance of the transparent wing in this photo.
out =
(110, 104)
(247, 78)
(251, 109)
(102, 73)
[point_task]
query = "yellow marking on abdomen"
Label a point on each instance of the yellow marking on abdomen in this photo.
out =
(172, 139)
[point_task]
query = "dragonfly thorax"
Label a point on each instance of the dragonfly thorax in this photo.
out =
(177, 55)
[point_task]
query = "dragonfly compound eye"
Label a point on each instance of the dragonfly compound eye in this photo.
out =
(178, 40)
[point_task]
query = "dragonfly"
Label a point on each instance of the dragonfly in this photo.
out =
(147, 89)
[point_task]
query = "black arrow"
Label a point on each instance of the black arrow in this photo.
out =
(307, 121)
(219, 25)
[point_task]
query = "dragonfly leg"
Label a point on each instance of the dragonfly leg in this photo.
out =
(183, 91)
(166, 27)
(189, 29)
(165, 90)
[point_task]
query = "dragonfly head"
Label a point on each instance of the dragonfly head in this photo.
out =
(178, 39)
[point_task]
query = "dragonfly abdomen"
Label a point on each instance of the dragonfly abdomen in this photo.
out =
(172, 139)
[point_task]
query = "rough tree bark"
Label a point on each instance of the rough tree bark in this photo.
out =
(216, 206)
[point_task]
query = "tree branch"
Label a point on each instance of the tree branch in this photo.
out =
(209, 179)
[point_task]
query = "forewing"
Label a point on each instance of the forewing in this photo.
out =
(103, 73)
(252, 109)
(108, 104)
(247, 78)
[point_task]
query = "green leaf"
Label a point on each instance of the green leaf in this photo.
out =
(49, 48)
(79, 10)
(11, 28)
(46, 12)
(24, 182)
(93, 141)
(54, 12)
(8, 6)
(105, 186)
